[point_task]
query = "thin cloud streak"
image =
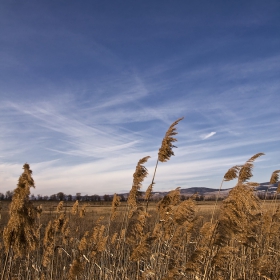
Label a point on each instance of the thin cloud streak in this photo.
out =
(208, 135)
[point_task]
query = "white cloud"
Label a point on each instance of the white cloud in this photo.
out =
(208, 135)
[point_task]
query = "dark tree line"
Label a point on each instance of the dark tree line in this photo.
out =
(7, 196)
(60, 196)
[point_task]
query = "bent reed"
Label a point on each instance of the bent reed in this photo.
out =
(136, 241)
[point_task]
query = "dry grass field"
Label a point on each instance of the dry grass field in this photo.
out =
(237, 238)
(85, 236)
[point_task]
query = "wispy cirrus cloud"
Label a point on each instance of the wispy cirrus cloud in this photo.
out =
(208, 135)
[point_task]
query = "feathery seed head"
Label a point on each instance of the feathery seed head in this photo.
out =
(232, 173)
(148, 192)
(83, 212)
(140, 172)
(171, 199)
(139, 175)
(254, 157)
(115, 204)
(65, 231)
(49, 234)
(184, 212)
(165, 152)
(59, 222)
(59, 207)
(84, 243)
(75, 207)
(101, 246)
(96, 230)
(274, 177)
(21, 230)
(245, 172)
(240, 215)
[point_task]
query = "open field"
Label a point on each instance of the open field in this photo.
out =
(94, 210)
(89, 244)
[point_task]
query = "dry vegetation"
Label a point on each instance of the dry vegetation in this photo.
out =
(234, 239)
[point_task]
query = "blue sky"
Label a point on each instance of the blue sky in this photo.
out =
(87, 88)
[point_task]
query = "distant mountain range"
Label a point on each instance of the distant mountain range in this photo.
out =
(197, 190)
(266, 187)
(263, 187)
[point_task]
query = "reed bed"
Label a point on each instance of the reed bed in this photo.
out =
(235, 239)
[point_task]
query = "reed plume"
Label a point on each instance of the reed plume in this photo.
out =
(75, 208)
(139, 175)
(83, 245)
(115, 204)
(232, 173)
(240, 215)
(245, 172)
(20, 232)
(59, 207)
(274, 177)
(58, 223)
(239, 218)
(65, 230)
(136, 226)
(148, 192)
(173, 198)
(242, 172)
(82, 212)
(165, 152)
(184, 212)
(98, 238)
